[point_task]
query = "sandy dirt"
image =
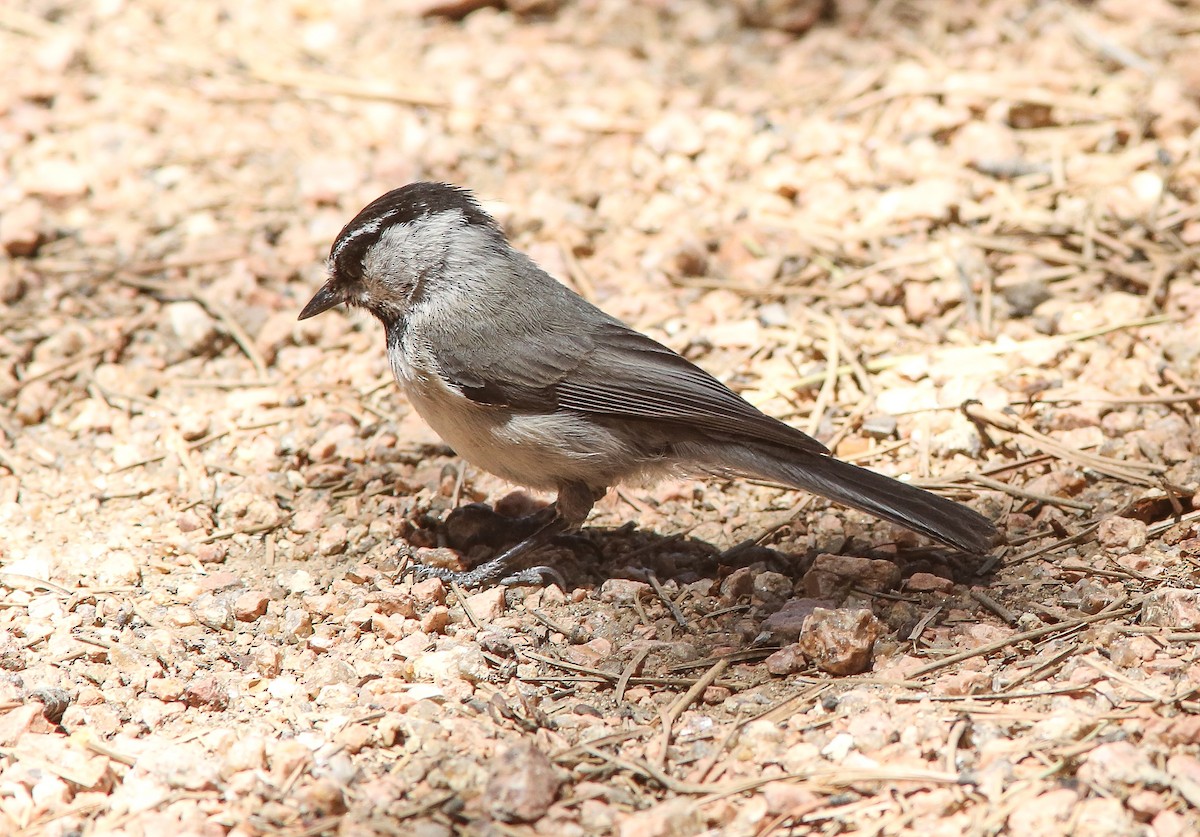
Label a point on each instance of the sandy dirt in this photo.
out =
(957, 242)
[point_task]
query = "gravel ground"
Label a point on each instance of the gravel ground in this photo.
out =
(955, 241)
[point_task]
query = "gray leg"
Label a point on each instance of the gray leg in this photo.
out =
(575, 501)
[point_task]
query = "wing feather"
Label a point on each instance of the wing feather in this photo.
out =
(612, 371)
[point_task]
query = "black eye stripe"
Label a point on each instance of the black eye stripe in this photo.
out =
(399, 206)
(352, 244)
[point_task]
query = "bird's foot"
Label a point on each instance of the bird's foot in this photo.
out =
(480, 522)
(494, 571)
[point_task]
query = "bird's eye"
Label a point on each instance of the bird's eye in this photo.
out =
(350, 270)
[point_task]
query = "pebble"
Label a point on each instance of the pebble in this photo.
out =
(166, 688)
(250, 605)
(394, 602)
(793, 16)
(333, 540)
(716, 695)
(13, 286)
(678, 817)
(735, 334)
(964, 683)
(216, 581)
(327, 179)
(1147, 186)
(389, 627)
(117, 568)
(522, 784)
(932, 199)
(212, 553)
(435, 620)
(321, 797)
(785, 661)
(1104, 817)
(193, 424)
(1122, 534)
(327, 671)
(278, 331)
(1184, 729)
(361, 617)
(774, 315)
(623, 590)
(784, 625)
(22, 228)
(676, 132)
(591, 653)
(426, 827)
(207, 693)
(838, 747)
(267, 660)
(297, 582)
(772, 588)
(430, 591)
(324, 639)
(879, 426)
(179, 616)
(840, 641)
(194, 329)
(596, 817)
(928, 583)
(737, 585)
(87, 770)
(245, 752)
(325, 604)
(488, 605)
(804, 755)
(762, 737)
(186, 766)
(56, 180)
(34, 402)
(284, 687)
(831, 574)
(326, 447)
(920, 302)
(285, 755)
(214, 611)
(1058, 483)
(249, 507)
(412, 646)
(308, 520)
(297, 623)
(1172, 607)
(789, 798)
(460, 662)
(22, 719)
(127, 380)
(58, 51)
(961, 437)
(355, 738)
(51, 793)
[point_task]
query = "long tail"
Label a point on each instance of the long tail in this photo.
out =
(914, 508)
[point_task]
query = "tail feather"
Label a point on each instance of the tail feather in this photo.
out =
(914, 508)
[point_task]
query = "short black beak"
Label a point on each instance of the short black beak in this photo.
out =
(322, 301)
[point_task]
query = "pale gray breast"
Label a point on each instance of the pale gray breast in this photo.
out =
(538, 450)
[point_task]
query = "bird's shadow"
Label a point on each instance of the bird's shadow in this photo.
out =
(595, 554)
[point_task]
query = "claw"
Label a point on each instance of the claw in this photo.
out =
(540, 575)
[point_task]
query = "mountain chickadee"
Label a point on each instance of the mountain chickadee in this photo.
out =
(526, 379)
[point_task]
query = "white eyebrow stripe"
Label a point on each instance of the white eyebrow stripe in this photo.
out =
(372, 226)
